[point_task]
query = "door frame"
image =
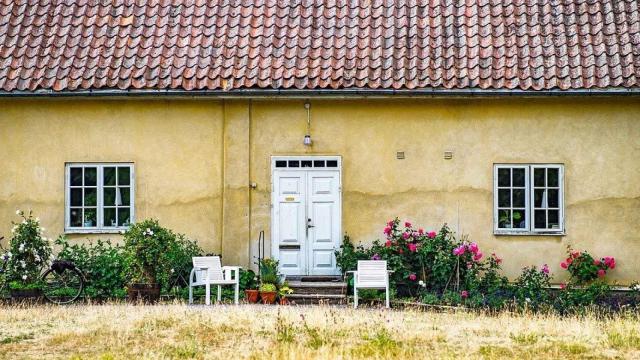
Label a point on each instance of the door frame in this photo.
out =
(275, 249)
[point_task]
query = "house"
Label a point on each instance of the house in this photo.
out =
(516, 122)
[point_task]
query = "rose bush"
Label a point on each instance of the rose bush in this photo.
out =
(584, 268)
(29, 253)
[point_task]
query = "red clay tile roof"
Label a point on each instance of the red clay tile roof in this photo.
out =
(318, 44)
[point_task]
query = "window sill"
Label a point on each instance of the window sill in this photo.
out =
(95, 231)
(528, 233)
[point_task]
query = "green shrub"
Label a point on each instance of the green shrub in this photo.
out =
(576, 299)
(104, 265)
(531, 287)
(268, 271)
(29, 253)
(584, 268)
(157, 255)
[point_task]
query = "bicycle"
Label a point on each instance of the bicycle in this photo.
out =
(63, 282)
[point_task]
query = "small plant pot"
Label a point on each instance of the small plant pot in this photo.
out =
(252, 296)
(26, 294)
(284, 301)
(147, 293)
(268, 297)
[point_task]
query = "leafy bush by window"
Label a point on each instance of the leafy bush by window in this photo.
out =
(584, 268)
(103, 263)
(531, 287)
(29, 253)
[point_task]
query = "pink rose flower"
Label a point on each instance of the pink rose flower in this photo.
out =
(405, 235)
(564, 265)
(387, 243)
(498, 260)
(459, 250)
(464, 294)
(545, 269)
(477, 256)
(387, 230)
(420, 231)
(601, 273)
(473, 247)
(412, 247)
(390, 223)
(596, 262)
(407, 224)
(563, 286)
(431, 234)
(412, 277)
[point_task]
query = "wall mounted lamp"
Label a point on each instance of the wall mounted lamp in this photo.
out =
(307, 137)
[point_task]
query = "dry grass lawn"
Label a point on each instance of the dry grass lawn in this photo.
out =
(277, 332)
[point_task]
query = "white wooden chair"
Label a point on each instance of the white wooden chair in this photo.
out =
(208, 271)
(371, 274)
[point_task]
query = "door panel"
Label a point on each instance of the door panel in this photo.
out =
(289, 225)
(323, 204)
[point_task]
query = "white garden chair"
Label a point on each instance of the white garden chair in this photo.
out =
(208, 271)
(371, 274)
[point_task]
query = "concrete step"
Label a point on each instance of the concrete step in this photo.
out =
(314, 278)
(319, 288)
(327, 299)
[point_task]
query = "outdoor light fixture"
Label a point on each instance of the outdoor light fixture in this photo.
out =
(307, 138)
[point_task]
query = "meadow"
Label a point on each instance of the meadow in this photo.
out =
(120, 331)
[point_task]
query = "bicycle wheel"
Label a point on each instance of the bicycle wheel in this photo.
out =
(62, 287)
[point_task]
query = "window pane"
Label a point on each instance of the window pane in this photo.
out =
(75, 176)
(538, 198)
(504, 219)
(109, 196)
(518, 198)
(518, 177)
(90, 217)
(124, 176)
(75, 217)
(540, 219)
(553, 219)
(552, 177)
(281, 164)
(123, 216)
(109, 176)
(332, 163)
(294, 163)
(318, 163)
(504, 198)
(90, 197)
(538, 177)
(519, 221)
(110, 217)
(90, 176)
(306, 163)
(125, 197)
(76, 196)
(553, 196)
(504, 177)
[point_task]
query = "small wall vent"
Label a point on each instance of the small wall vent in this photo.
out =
(400, 155)
(448, 155)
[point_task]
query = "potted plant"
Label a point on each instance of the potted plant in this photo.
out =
(268, 293)
(283, 292)
(268, 280)
(248, 282)
(29, 254)
(147, 246)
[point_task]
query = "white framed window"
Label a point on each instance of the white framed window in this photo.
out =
(99, 197)
(528, 199)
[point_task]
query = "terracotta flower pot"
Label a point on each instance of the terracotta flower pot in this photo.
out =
(268, 297)
(284, 301)
(148, 293)
(251, 296)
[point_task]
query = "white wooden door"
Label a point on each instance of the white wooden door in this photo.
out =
(323, 221)
(289, 222)
(306, 224)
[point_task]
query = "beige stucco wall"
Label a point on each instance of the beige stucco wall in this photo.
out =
(176, 147)
(195, 159)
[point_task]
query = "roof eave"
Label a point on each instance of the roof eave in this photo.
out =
(323, 93)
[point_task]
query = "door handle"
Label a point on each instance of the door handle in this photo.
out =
(309, 224)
